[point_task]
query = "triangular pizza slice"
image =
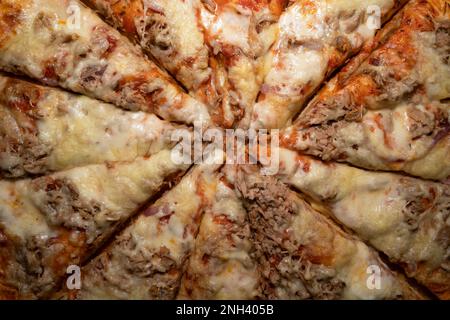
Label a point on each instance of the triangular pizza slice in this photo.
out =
(212, 47)
(315, 38)
(167, 30)
(64, 43)
(45, 129)
(146, 260)
(52, 222)
(405, 218)
(301, 254)
(221, 265)
(391, 111)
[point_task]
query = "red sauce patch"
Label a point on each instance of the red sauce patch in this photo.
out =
(253, 5)
(306, 166)
(378, 120)
(9, 20)
(50, 76)
(72, 252)
(165, 219)
(222, 220)
(112, 41)
(21, 96)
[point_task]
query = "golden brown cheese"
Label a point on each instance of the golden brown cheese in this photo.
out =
(315, 38)
(406, 218)
(44, 129)
(64, 43)
(390, 109)
(238, 33)
(145, 261)
(59, 220)
(210, 46)
(166, 29)
(301, 254)
(221, 266)
(10, 18)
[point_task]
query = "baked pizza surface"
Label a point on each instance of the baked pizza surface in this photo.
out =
(46, 129)
(214, 48)
(78, 51)
(129, 167)
(390, 112)
(404, 217)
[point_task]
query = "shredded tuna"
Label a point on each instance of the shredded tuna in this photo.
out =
(287, 274)
(64, 207)
(21, 151)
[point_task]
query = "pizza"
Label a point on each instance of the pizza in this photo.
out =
(224, 149)
(221, 265)
(238, 33)
(51, 222)
(405, 218)
(168, 31)
(214, 48)
(315, 38)
(45, 129)
(63, 43)
(391, 111)
(146, 260)
(302, 255)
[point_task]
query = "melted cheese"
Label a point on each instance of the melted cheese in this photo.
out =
(348, 259)
(357, 274)
(18, 215)
(228, 27)
(373, 205)
(120, 190)
(125, 185)
(385, 140)
(305, 53)
(397, 131)
(81, 131)
(91, 133)
(180, 208)
(35, 45)
(183, 24)
(436, 165)
(184, 201)
(296, 68)
(188, 56)
(433, 71)
(394, 140)
(232, 275)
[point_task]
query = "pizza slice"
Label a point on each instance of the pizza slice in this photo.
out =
(303, 255)
(210, 46)
(52, 222)
(390, 112)
(315, 38)
(405, 218)
(167, 30)
(221, 266)
(146, 260)
(238, 34)
(64, 43)
(43, 129)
